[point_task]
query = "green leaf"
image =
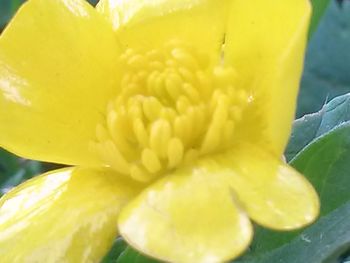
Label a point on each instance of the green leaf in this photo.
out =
(132, 256)
(323, 242)
(122, 253)
(326, 163)
(118, 247)
(326, 72)
(312, 126)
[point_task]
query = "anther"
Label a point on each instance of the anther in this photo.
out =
(140, 132)
(171, 109)
(151, 108)
(173, 84)
(184, 58)
(151, 161)
(137, 61)
(175, 152)
(159, 137)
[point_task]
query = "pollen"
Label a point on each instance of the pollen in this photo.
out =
(173, 106)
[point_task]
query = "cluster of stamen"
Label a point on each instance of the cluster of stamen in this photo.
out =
(173, 107)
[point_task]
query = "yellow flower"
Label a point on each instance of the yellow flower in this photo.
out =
(175, 115)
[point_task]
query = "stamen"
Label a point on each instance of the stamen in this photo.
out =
(171, 109)
(151, 161)
(175, 152)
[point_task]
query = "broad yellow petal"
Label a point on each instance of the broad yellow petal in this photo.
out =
(190, 216)
(265, 43)
(151, 23)
(273, 193)
(58, 65)
(68, 215)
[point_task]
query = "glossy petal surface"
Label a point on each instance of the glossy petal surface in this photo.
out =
(68, 215)
(273, 193)
(151, 23)
(57, 71)
(265, 43)
(191, 216)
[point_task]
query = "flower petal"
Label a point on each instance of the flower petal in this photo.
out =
(151, 23)
(190, 216)
(265, 42)
(273, 193)
(68, 215)
(57, 72)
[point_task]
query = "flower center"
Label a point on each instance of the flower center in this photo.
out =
(172, 108)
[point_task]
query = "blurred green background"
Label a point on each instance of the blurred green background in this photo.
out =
(326, 75)
(327, 64)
